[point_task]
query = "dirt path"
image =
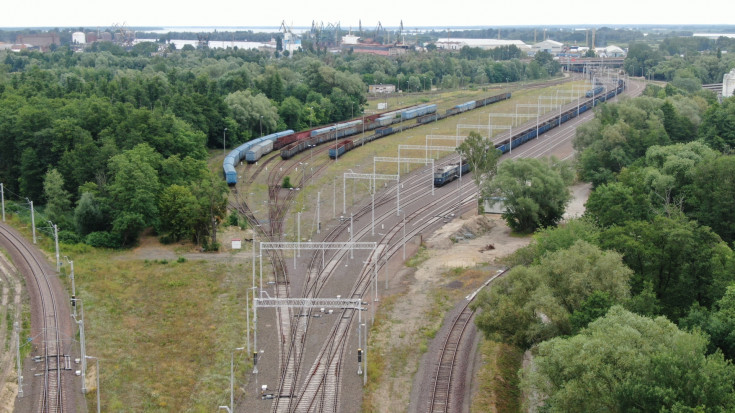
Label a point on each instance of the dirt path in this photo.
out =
(10, 308)
(404, 338)
(429, 291)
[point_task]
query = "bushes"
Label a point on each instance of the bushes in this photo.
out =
(103, 239)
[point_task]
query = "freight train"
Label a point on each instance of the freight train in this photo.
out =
(534, 131)
(446, 174)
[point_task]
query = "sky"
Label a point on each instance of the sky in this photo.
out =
(239, 13)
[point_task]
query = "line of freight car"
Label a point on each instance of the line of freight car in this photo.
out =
(322, 135)
(325, 135)
(421, 119)
(347, 145)
(533, 132)
(464, 107)
(240, 153)
(594, 92)
(423, 113)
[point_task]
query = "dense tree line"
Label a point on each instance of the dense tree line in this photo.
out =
(687, 62)
(115, 141)
(630, 308)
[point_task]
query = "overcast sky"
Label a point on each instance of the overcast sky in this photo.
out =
(165, 13)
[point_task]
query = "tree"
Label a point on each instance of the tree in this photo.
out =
(535, 194)
(290, 112)
(718, 125)
(481, 155)
(615, 203)
(551, 239)
(684, 262)
(211, 195)
(31, 174)
(134, 190)
(89, 215)
(178, 213)
(249, 111)
(719, 323)
(532, 304)
(58, 200)
(628, 363)
(713, 190)
(640, 59)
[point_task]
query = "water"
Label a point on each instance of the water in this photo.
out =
(714, 35)
(211, 29)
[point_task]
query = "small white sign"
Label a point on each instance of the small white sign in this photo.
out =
(236, 244)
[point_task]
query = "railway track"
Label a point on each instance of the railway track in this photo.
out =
(49, 329)
(447, 393)
(320, 389)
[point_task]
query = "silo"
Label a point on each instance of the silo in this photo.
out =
(78, 38)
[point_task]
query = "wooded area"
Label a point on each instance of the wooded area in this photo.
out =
(83, 132)
(630, 308)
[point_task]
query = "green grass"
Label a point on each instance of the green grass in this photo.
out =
(163, 330)
(417, 259)
(497, 379)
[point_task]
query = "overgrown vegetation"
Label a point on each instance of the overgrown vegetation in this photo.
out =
(497, 378)
(659, 165)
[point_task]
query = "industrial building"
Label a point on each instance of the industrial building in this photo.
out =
(42, 41)
(485, 44)
(549, 46)
(609, 51)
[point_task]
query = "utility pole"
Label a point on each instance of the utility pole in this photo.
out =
(56, 241)
(224, 141)
(404, 235)
(2, 196)
(33, 220)
(73, 287)
(318, 222)
(83, 346)
(351, 236)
